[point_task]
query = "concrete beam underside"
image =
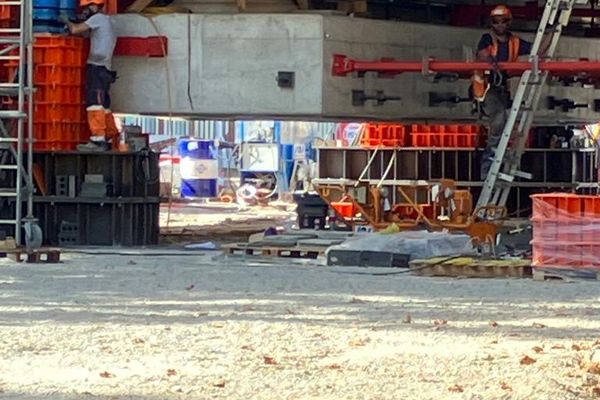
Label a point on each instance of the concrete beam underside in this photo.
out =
(226, 66)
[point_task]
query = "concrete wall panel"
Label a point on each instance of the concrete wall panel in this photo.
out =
(144, 83)
(235, 61)
(226, 65)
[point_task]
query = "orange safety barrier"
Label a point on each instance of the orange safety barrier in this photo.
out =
(564, 229)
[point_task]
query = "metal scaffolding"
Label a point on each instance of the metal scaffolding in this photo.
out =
(16, 122)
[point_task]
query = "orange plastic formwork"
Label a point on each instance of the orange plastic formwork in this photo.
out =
(384, 135)
(445, 136)
(60, 121)
(9, 16)
(565, 227)
(345, 208)
(59, 94)
(59, 135)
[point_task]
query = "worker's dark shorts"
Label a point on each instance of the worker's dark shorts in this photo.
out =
(97, 85)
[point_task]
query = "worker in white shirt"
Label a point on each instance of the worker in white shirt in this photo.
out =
(99, 74)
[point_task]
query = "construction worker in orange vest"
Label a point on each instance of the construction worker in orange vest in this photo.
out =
(492, 94)
(99, 74)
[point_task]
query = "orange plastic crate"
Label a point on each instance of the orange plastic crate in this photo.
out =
(56, 112)
(61, 132)
(557, 206)
(56, 93)
(426, 140)
(590, 255)
(52, 74)
(544, 230)
(556, 254)
(591, 206)
(49, 39)
(386, 135)
(62, 56)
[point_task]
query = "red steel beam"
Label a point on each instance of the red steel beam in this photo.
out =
(151, 46)
(343, 66)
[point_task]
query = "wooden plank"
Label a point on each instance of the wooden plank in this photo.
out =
(139, 6)
(471, 268)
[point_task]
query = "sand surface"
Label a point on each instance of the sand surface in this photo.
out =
(209, 327)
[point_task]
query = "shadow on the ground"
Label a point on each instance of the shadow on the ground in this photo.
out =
(166, 290)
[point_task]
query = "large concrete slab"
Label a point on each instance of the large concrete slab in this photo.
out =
(227, 65)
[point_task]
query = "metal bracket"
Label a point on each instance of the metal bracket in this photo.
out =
(359, 97)
(448, 99)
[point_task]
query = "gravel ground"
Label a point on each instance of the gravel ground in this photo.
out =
(206, 327)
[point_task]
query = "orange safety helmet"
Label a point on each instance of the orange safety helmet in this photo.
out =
(501, 11)
(84, 3)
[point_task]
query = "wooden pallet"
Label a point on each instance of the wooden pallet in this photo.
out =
(469, 267)
(273, 251)
(561, 274)
(47, 256)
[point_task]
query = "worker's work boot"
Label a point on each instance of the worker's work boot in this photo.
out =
(94, 146)
(112, 132)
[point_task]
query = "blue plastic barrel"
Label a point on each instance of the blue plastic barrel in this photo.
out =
(67, 8)
(46, 3)
(67, 4)
(199, 168)
(45, 14)
(287, 153)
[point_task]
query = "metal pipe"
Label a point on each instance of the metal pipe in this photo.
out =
(30, 119)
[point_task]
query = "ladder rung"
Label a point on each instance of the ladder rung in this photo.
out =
(9, 167)
(505, 177)
(12, 114)
(6, 193)
(10, 40)
(11, 3)
(10, 30)
(8, 140)
(8, 222)
(522, 174)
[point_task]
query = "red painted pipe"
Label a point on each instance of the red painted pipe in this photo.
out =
(343, 65)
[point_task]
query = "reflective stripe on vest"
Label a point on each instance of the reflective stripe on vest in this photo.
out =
(513, 48)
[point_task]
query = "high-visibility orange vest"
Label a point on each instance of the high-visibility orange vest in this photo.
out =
(514, 42)
(479, 82)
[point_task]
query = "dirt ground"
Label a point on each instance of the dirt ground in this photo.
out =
(219, 222)
(191, 326)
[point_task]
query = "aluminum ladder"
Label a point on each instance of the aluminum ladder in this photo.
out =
(16, 45)
(507, 158)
